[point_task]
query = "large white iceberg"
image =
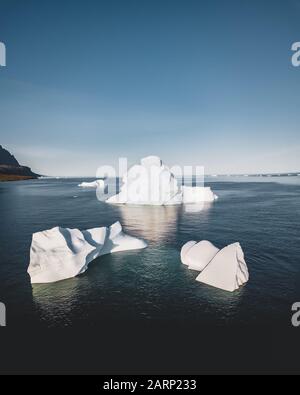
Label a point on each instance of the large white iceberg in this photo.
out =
(153, 183)
(225, 269)
(59, 253)
(94, 184)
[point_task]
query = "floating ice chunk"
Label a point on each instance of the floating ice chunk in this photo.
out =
(153, 183)
(198, 195)
(59, 253)
(150, 183)
(225, 269)
(94, 184)
(199, 255)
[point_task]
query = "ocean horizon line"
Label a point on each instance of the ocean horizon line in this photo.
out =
(290, 174)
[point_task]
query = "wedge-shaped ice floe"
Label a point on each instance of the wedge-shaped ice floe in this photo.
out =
(94, 184)
(225, 269)
(59, 253)
(153, 183)
(228, 270)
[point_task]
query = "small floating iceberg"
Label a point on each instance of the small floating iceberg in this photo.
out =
(94, 184)
(153, 183)
(198, 195)
(60, 254)
(224, 269)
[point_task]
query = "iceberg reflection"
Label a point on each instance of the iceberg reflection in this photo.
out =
(152, 223)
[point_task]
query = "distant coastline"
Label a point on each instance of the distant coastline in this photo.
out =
(8, 178)
(11, 170)
(292, 174)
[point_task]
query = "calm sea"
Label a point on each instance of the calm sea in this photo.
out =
(262, 214)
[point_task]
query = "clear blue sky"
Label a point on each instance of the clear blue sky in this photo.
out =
(196, 82)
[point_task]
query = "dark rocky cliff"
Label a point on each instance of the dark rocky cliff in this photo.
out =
(7, 159)
(10, 168)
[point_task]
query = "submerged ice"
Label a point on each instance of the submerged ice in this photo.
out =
(152, 183)
(59, 253)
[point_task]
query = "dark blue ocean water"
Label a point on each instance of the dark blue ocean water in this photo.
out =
(263, 215)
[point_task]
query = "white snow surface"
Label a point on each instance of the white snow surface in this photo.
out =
(197, 195)
(225, 269)
(152, 183)
(60, 254)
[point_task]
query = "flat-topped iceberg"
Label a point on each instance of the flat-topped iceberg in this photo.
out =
(59, 253)
(225, 269)
(94, 184)
(192, 195)
(153, 183)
